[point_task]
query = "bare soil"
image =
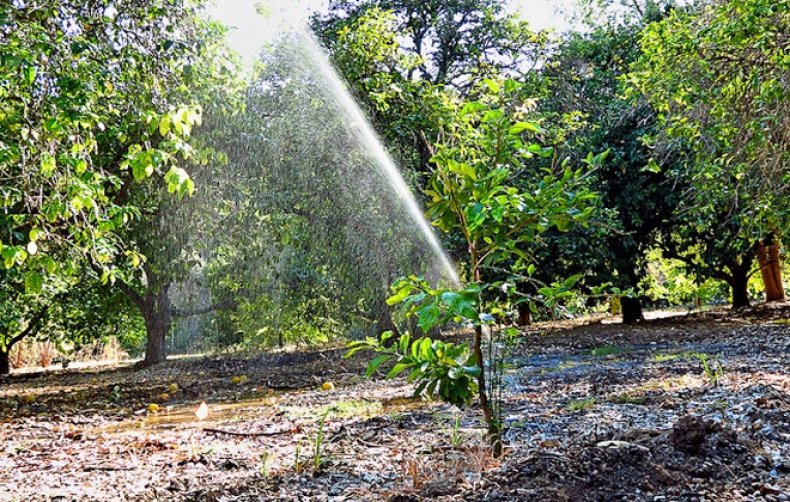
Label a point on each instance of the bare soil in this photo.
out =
(597, 411)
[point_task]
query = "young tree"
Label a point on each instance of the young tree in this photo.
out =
(472, 194)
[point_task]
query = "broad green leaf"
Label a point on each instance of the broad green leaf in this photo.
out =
(33, 282)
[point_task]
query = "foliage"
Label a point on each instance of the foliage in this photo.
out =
(441, 370)
(669, 280)
(716, 74)
(95, 101)
(470, 195)
(451, 43)
(580, 105)
(470, 191)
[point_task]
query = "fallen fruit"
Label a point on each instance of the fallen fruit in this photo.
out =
(236, 380)
(327, 386)
(172, 388)
(153, 407)
(202, 412)
(164, 396)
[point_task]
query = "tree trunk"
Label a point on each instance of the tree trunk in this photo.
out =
(5, 363)
(767, 256)
(384, 321)
(156, 332)
(494, 432)
(524, 315)
(776, 270)
(739, 282)
(632, 309)
(494, 429)
(158, 317)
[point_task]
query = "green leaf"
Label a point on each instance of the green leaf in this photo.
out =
(48, 164)
(492, 85)
(375, 363)
(652, 167)
(519, 127)
(399, 296)
(164, 125)
(33, 282)
(35, 234)
(30, 74)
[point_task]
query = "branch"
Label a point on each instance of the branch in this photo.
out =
(133, 295)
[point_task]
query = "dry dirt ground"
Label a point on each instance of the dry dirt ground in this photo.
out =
(594, 412)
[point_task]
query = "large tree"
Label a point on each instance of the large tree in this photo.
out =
(95, 98)
(578, 98)
(717, 74)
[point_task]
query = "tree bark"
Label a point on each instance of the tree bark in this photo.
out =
(158, 316)
(776, 270)
(632, 309)
(384, 322)
(524, 315)
(773, 292)
(494, 433)
(739, 286)
(494, 430)
(156, 333)
(5, 363)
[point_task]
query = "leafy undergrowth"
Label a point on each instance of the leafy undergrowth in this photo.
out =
(638, 419)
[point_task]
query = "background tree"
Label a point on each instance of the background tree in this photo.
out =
(579, 103)
(716, 72)
(86, 92)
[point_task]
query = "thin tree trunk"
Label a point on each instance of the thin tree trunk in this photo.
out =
(485, 405)
(524, 315)
(632, 309)
(494, 431)
(776, 270)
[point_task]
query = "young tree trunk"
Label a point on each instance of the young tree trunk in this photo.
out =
(5, 363)
(494, 432)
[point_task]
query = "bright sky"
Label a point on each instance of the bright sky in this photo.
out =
(249, 33)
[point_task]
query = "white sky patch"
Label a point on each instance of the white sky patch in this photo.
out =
(251, 30)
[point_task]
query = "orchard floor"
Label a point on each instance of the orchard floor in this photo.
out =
(595, 412)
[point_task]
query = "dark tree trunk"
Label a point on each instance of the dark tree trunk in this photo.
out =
(5, 363)
(739, 282)
(631, 308)
(524, 315)
(384, 322)
(156, 333)
(158, 317)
